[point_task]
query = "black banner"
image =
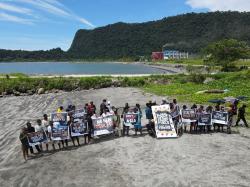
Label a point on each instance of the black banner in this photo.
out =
(205, 119)
(35, 138)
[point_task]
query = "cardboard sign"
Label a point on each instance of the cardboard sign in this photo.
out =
(220, 117)
(205, 119)
(188, 115)
(79, 127)
(103, 125)
(36, 138)
(164, 126)
(60, 130)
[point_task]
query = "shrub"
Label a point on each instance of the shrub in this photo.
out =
(197, 78)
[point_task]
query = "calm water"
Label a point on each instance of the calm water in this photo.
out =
(65, 68)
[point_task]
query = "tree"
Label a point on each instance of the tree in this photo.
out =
(225, 53)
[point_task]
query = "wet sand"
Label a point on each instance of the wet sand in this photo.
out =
(216, 159)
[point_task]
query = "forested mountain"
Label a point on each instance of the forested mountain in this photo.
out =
(21, 55)
(188, 32)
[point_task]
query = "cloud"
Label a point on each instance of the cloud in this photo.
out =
(16, 9)
(11, 18)
(220, 5)
(56, 8)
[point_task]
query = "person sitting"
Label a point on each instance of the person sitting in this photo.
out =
(241, 115)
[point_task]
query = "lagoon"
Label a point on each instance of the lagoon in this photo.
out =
(67, 68)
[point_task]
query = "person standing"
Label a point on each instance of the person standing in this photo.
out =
(60, 109)
(241, 115)
(49, 130)
(138, 114)
(117, 123)
(126, 125)
(31, 129)
(25, 144)
(45, 124)
(103, 106)
(149, 117)
(39, 128)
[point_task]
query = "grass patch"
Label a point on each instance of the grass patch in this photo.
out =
(237, 84)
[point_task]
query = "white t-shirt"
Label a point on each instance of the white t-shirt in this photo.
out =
(38, 128)
(49, 129)
(45, 124)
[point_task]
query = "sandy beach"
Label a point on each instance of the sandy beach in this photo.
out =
(216, 159)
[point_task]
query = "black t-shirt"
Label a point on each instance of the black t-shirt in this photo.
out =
(30, 129)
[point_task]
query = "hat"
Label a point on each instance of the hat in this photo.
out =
(108, 103)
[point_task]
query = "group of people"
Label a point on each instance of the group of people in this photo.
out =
(121, 127)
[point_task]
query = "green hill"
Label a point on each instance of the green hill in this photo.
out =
(189, 32)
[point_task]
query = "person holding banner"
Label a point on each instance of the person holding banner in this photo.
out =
(24, 141)
(126, 125)
(49, 130)
(137, 125)
(117, 123)
(60, 109)
(70, 124)
(45, 124)
(31, 129)
(39, 128)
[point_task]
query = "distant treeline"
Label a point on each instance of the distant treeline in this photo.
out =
(189, 32)
(20, 55)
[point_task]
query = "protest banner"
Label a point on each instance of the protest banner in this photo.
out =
(103, 125)
(36, 138)
(60, 130)
(188, 115)
(130, 119)
(164, 126)
(78, 127)
(204, 119)
(220, 117)
(78, 114)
